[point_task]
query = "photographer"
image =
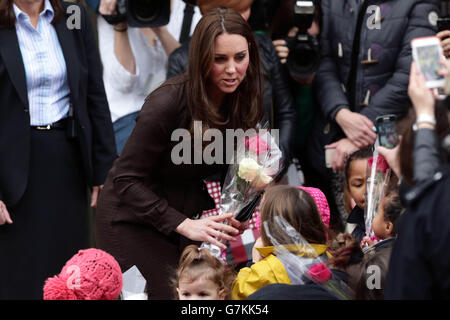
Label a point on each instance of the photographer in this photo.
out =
(134, 63)
(299, 55)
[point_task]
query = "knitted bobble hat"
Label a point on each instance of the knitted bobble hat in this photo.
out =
(321, 202)
(91, 274)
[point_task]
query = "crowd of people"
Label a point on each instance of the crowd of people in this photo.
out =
(90, 123)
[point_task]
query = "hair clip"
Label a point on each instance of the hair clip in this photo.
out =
(200, 255)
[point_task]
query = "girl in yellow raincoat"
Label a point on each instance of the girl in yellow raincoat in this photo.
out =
(298, 208)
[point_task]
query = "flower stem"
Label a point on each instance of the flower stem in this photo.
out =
(337, 291)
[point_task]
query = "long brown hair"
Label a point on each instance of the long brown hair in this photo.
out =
(298, 208)
(245, 104)
(195, 264)
(8, 18)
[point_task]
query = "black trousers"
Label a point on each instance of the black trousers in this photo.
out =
(49, 222)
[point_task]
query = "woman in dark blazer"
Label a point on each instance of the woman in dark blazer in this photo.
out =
(56, 138)
(146, 212)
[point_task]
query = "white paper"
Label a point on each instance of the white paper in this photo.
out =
(133, 285)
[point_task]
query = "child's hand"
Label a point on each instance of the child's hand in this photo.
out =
(366, 241)
(241, 226)
(256, 256)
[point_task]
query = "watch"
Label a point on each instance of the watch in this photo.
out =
(424, 118)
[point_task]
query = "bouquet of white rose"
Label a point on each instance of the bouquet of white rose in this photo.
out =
(255, 164)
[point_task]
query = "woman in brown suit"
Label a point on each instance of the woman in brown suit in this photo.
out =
(146, 211)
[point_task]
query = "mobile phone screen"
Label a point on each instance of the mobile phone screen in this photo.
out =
(428, 59)
(387, 133)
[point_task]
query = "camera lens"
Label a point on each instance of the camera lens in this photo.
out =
(148, 13)
(144, 10)
(303, 59)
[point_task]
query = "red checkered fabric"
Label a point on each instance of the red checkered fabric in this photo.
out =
(239, 251)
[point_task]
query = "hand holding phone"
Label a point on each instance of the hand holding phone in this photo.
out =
(427, 53)
(386, 130)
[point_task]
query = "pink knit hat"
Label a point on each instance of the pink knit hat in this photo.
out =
(91, 274)
(321, 203)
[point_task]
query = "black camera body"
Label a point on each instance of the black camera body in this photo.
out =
(443, 21)
(141, 13)
(304, 50)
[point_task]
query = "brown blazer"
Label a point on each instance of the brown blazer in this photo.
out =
(146, 196)
(144, 184)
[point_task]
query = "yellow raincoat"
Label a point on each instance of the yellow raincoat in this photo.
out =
(267, 271)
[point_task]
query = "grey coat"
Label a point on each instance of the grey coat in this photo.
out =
(365, 64)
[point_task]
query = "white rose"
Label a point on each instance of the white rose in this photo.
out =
(263, 180)
(248, 169)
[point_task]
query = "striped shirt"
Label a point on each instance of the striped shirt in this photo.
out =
(45, 67)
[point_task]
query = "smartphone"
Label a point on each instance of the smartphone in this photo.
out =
(427, 53)
(386, 130)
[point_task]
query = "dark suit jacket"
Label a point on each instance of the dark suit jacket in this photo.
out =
(96, 135)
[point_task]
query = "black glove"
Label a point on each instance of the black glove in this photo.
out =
(114, 18)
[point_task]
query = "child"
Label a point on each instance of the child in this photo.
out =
(321, 202)
(200, 276)
(384, 223)
(91, 274)
(298, 208)
(356, 178)
(346, 257)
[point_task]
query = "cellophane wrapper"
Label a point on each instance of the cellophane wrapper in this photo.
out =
(256, 162)
(300, 259)
(378, 173)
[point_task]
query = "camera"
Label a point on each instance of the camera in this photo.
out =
(304, 50)
(444, 20)
(141, 13)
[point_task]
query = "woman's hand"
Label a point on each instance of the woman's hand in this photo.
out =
(391, 156)
(281, 49)
(209, 229)
(357, 127)
(4, 214)
(107, 7)
(241, 226)
(95, 192)
(344, 148)
(422, 97)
